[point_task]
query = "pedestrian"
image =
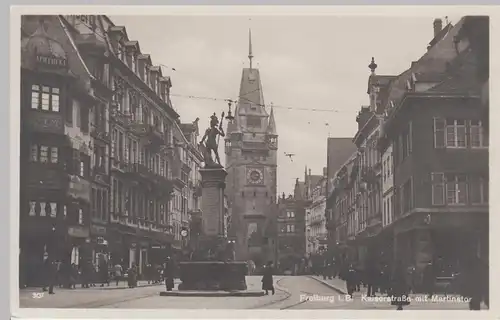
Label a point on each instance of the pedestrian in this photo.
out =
(50, 268)
(118, 269)
(103, 271)
(473, 283)
(73, 277)
(132, 276)
(168, 274)
(267, 278)
(429, 279)
(399, 287)
(349, 275)
(371, 277)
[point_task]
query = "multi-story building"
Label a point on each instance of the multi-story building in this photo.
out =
(291, 233)
(57, 98)
(193, 189)
(148, 157)
(369, 198)
(251, 145)
(339, 150)
(316, 234)
(440, 148)
(89, 38)
(345, 217)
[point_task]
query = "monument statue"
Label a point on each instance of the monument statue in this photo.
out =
(212, 136)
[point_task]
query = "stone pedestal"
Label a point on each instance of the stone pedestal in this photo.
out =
(208, 271)
(213, 182)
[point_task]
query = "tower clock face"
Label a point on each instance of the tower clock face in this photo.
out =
(255, 176)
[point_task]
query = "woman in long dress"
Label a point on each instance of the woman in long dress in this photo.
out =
(267, 278)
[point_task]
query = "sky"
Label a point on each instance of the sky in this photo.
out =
(305, 63)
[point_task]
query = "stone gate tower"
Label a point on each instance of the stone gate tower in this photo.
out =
(251, 145)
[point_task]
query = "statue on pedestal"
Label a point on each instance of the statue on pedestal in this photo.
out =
(212, 136)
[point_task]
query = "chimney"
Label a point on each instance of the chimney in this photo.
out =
(309, 172)
(363, 116)
(325, 173)
(438, 26)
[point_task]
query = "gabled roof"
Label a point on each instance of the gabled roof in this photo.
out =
(379, 80)
(434, 60)
(134, 44)
(49, 35)
(461, 77)
(146, 57)
(120, 29)
(339, 151)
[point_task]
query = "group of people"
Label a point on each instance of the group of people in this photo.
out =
(398, 282)
(87, 274)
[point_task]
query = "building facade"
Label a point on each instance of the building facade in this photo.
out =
(56, 147)
(291, 247)
(315, 220)
(108, 168)
(251, 145)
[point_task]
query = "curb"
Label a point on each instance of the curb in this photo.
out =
(329, 285)
(211, 294)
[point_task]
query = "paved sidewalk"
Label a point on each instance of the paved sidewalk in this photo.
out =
(112, 286)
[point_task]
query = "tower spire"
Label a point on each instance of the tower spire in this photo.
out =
(250, 55)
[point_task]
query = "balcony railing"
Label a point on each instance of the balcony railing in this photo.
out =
(150, 134)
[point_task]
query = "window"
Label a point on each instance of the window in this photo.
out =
(456, 188)
(450, 133)
(44, 98)
(80, 216)
(290, 228)
(290, 214)
(44, 154)
(406, 197)
(146, 74)
(119, 51)
(133, 64)
(81, 168)
(438, 189)
(478, 136)
(479, 190)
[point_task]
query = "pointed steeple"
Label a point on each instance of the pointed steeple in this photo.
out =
(250, 54)
(271, 126)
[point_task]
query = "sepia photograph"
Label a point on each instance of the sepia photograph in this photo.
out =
(272, 162)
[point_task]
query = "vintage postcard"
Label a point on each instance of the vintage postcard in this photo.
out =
(334, 160)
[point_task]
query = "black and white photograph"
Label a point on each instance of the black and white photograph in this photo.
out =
(254, 162)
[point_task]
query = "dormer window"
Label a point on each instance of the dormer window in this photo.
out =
(146, 74)
(133, 62)
(120, 51)
(153, 84)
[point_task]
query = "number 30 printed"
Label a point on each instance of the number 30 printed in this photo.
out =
(37, 295)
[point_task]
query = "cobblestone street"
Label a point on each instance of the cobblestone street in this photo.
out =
(299, 292)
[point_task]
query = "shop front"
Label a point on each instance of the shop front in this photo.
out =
(99, 243)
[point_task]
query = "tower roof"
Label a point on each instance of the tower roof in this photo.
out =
(271, 126)
(251, 98)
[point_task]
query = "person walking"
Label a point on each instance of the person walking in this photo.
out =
(50, 275)
(371, 278)
(429, 279)
(267, 278)
(103, 271)
(118, 273)
(399, 287)
(168, 274)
